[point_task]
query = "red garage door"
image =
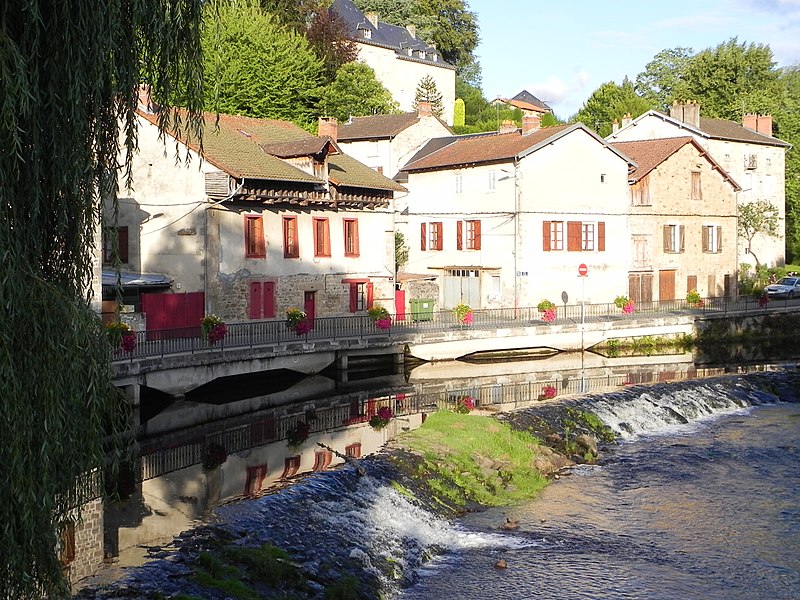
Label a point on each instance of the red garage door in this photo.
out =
(182, 312)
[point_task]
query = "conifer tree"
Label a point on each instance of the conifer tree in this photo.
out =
(428, 92)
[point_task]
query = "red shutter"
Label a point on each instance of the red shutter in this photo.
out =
(356, 249)
(477, 235)
(268, 304)
(370, 294)
(682, 232)
(574, 236)
(123, 244)
(353, 297)
(255, 300)
(459, 235)
(423, 237)
(601, 236)
(439, 236)
(546, 236)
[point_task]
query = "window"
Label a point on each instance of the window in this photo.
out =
(322, 237)
(602, 177)
(291, 249)
(553, 235)
(640, 192)
(459, 183)
(360, 295)
(494, 287)
(712, 238)
(697, 191)
(642, 251)
(673, 238)
(492, 181)
(121, 234)
(254, 246)
(351, 237)
(469, 232)
(431, 236)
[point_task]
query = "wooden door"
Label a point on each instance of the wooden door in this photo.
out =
(666, 285)
(640, 287)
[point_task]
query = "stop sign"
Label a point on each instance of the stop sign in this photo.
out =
(583, 270)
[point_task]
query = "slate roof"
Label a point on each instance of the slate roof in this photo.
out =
(527, 97)
(376, 126)
(396, 38)
(469, 150)
(649, 154)
(243, 146)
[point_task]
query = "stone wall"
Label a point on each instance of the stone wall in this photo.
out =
(88, 542)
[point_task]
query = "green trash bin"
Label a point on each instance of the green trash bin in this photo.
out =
(422, 309)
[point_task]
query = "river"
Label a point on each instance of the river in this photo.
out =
(699, 499)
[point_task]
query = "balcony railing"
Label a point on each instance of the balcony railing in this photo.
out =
(250, 334)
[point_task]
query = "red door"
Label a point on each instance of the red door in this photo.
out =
(400, 305)
(310, 306)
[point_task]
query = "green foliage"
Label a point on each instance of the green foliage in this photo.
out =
(268, 564)
(428, 92)
(377, 312)
(545, 305)
(459, 113)
(260, 68)
(457, 449)
(400, 251)
(662, 75)
(344, 589)
(460, 311)
(621, 301)
(328, 36)
(355, 92)
(474, 102)
(609, 102)
(69, 81)
(757, 217)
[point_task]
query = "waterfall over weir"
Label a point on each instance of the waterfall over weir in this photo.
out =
(358, 518)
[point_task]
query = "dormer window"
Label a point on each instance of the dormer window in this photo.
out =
(410, 51)
(434, 57)
(366, 32)
(319, 170)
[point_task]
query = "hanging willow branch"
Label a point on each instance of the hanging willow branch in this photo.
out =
(69, 71)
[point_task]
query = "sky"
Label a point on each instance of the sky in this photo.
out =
(562, 51)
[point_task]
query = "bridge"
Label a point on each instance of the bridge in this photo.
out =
(177, 361)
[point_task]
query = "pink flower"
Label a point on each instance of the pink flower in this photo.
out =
(549, 392)
(629, 308)
(303, 327)
(217, 332)
(549, 315)
(128, 343)
(467, 320)
(384, 322)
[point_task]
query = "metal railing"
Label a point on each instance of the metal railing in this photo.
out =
(276, 332)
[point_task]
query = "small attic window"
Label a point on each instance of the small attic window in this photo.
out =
(434, 57)
(410, 51)
(367, 33)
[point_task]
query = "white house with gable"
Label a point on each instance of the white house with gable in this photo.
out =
(506, 219)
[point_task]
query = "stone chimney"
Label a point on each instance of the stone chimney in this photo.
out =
(615, 126)
(508, 126)
(412, 30)
(372, 17)
(531, 123)
(627, 119)
(328, 126)
(759, 123)
(687, 112)
(424, 109)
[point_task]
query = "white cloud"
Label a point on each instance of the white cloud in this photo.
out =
(563, 96)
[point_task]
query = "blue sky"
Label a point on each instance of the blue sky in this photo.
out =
(562, 51)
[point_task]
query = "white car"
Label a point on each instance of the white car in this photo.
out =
(785, 287)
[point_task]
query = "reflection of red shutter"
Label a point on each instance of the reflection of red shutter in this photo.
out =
(370, 294)
(574, 236)
(601, 236)
(423, 237)
(546, 236)
(459, 235)
(477, 235)
(353, 297)
(255, 300)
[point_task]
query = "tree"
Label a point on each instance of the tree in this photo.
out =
(428, 92)
(356, 92)
(260, 69)
(474, 102)
(67, 121)
(400, 251)
(787, 127)
(295, 14)
(609, 102)
(758, 217)
(662, 75)
(328, 36)
(459, 113)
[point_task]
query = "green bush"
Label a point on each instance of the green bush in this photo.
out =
(545, 305)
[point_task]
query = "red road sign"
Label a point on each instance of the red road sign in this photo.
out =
(583, 270)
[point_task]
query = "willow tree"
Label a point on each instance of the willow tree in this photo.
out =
(69, 72)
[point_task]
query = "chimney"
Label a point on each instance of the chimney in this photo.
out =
(412, 30)
(626, 120)
(531, 123)
(508, 126)
(372, 17)
(328, 126)
(750, 121)
(615, 126)
(764, 124)
(145, 102)
(424, 109)
(687, 112)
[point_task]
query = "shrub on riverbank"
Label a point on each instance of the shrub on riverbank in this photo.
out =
(472, 459)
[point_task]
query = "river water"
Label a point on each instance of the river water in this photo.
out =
(700, 499)
(705, 510)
